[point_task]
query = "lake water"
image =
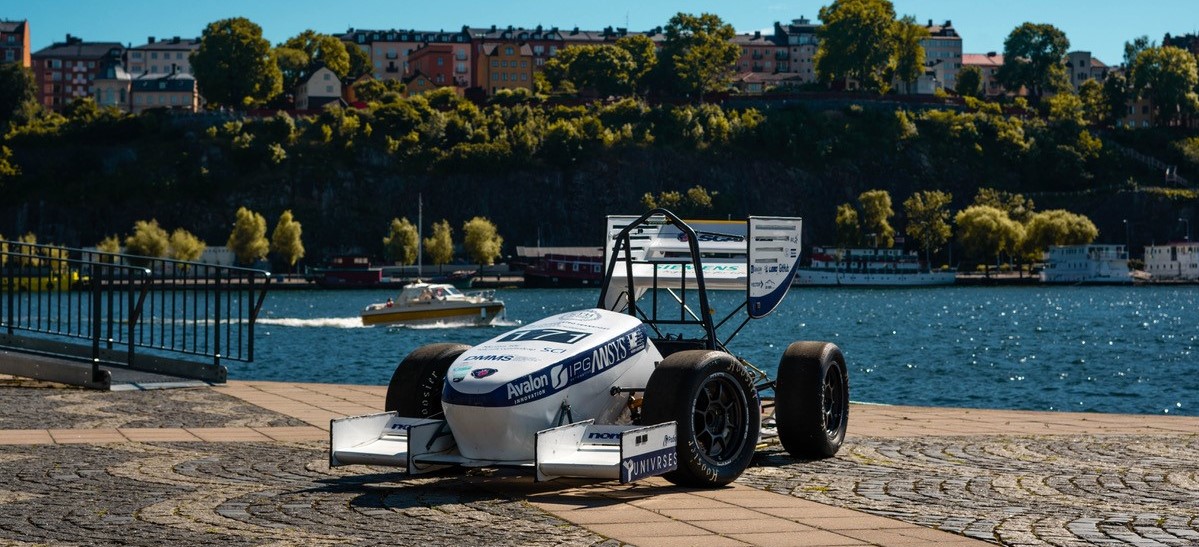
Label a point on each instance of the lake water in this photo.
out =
(1096, 349)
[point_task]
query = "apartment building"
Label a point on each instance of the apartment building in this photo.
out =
(14, 42)
(799, 37)
(762, 53)
(166, 56)
(173, 91)
(418, 83)
(942, 58)
(1081, 66)
(543, 43)
(504, 65)
(443, 64)
(389, 50)
(988, 64)
(67, 70)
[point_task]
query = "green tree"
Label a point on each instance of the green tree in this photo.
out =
(1016, 206)
(293, 65)
(876, 215)
(1116, 96)
(1057, 227)
(1135, 47)
(1032, 58)
(401, 244)
(27, 256)
(234, 66)
(1094, 106)
(481, 241)
(286, 240)
(605, 69)
(928, 220)
(645, 58)
(1167, 76)
(909, 54)
(300, 55)
(969, 82)
(698, 54)
(986, 232)
(185, 246)
(148, 239)
(247, 240)
(110, 245)
(857, 42)
(360, 61)
(849, 230)
(439, 246)
(384, 91)
(18, 94)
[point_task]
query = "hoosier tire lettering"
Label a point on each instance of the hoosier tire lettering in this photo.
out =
(415, 387)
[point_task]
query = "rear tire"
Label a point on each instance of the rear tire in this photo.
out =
(712, 398)
(415, 387)
(812, 399)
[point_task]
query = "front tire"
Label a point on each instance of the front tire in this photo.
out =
(415, 387)
(812, 399)
(712, 399)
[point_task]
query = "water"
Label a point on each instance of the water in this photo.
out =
(1096, 349)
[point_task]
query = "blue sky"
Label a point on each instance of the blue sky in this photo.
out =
(1098, 26)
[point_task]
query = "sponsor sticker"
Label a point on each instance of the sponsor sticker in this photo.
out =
(559, 336)
(649, 464)
(584, 315)
(482, 372)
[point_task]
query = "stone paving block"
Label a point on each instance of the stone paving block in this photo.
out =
(684, 541)
(227, 434)
(613, 515)
(758, 524)
(171, 434)
(658, 529)
(87, 436)
(25, 436)
(807, 538)
(291, 434)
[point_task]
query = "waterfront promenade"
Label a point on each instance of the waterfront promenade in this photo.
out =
(246, 464)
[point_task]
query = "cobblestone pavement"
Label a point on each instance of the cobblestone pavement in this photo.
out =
(1037, 490)
(250, 494)
(39, 407)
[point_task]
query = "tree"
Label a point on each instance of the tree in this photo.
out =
(286, 242)
(985, 231)
(1094, 106)
(110, 245)
(360, 61)
(909, 54)
(928, 220)
(18, 93)
(645, 58)
(856, 42)
(876, 215)
(1135, 47)
(605, 69)
(185, 246)
(1016, 206)
(1032, 58)
(148, 239)
(1116, 96)
(481, 241)
(234, 66)
(439, 246)
(372, 90)
(1167, 76)
(248, 238)
(401, 244)
(969, 82)
(698, 54)
(1057, 227)
(849, 232)
(299, 56)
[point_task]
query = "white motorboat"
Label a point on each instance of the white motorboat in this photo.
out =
(423, 303)
(869, 267)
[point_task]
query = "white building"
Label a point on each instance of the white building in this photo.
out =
(319, 89)
(1176, 261)
(1086, 264)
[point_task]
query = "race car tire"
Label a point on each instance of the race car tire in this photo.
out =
(812, 399)
(712, 398)
(415, 387)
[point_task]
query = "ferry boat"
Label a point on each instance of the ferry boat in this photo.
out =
(423, 303)
(562, 270)
(1178, 261)
(869, 267)
(1087, 264)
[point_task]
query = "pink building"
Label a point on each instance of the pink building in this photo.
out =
(67, 70)
(14, 42)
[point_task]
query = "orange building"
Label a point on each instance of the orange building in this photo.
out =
(14, 42)
(504, 65)
(67, 70)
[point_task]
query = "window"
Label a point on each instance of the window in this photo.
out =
(326, 76)
(440, 61)
(328, 89)
(91, 64)
(538, 50)
(174, 99)
(495, 76)
(508, 50)
(55, 63)
(9, 55)
(153, 54)
(137, 55)
(524, 64)
(153, 69)
(495, 63)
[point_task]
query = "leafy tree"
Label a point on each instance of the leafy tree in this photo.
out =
(3, 251)
(439, 246)
(876, 215)
(696, 201)
(385, 91)
(1135, 47)
(698, 54)
(148, 239)
(645, 58)
(1016, 206)
(1057, 227)
(248, 238)
(1032, 58)
(18, 93)
(185, 246)
(286, 242)
(401, 244)
(110, 245)
(1167, 76)
(299, 56)
(27, 257)
(234, 66)
(969, 82)
(857, 42)
(293, 65)
(928, 220)
(1094, 106)
(909, 54)
(481, 241)
(849, 231)
(360, 61)
(8, 169)
(605, 69)
(985, 231)
(1116, 96)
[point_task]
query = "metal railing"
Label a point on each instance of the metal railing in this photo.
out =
(143, 313)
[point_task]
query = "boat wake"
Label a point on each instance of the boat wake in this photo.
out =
(465, 324)
(324, 322)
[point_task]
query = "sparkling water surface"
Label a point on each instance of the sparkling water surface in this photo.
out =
(1095, 349)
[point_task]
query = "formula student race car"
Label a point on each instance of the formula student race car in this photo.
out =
(638, 386)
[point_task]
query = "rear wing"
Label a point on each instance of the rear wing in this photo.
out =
(658, 250)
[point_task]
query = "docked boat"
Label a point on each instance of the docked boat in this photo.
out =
(562, 270)
(1086, 264)
(427, 303)
(1174, 262)
(869, 267)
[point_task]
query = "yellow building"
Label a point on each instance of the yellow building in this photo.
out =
(504, 65)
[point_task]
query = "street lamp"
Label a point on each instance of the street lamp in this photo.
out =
(1127, 235)
(1188, 222)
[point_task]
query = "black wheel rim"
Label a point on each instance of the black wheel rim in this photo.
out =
(834, 402)
(719, 418)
